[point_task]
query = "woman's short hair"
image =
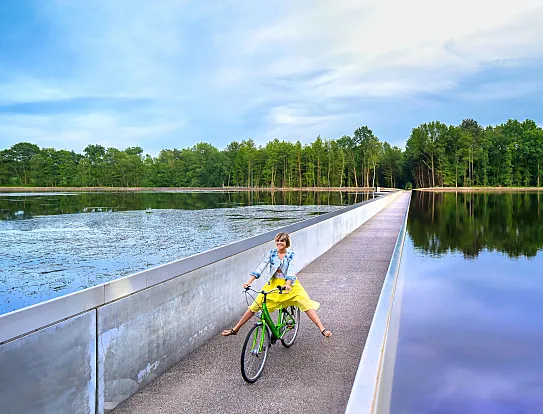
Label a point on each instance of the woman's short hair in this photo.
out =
(283, 236)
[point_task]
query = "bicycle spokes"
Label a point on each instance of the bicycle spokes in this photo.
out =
(291, 319)
(254, 353)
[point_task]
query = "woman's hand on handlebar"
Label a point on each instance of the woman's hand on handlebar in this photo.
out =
(248, 284)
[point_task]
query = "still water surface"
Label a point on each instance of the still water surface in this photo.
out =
(471, 326)
(55, 244)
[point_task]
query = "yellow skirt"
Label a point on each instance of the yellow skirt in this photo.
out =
(296, 297)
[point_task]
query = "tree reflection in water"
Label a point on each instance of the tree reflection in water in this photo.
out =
(506, 222)
(14, 207)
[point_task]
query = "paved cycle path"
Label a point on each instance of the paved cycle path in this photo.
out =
(315, 375)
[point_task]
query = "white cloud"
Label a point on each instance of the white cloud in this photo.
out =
(378, 48)
(285, 115)
(286, 67)
(69, 131)
(28, 89)
(120, 49)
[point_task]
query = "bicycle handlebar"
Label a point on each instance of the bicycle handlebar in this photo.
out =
(279, 288)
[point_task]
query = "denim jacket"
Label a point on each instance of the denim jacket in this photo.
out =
(272, 262)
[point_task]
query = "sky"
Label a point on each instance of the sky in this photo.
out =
(473, 323)
(172, 73)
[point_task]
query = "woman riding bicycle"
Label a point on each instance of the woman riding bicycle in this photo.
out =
(282, 267)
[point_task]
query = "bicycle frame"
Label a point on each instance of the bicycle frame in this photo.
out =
(266, 319)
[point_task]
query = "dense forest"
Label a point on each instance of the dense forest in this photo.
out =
(435, 154)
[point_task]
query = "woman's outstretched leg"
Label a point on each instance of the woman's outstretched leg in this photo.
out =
(246, 316)
(312, 314)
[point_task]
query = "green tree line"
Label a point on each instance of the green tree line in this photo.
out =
(467, 155)
(435, 154)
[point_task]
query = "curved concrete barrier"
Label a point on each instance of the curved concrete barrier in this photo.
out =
(88, 351)
(373, 380)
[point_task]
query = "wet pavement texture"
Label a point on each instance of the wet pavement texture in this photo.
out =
(315, 375)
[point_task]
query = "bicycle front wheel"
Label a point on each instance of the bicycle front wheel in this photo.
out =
(291, 318)
(254, 353)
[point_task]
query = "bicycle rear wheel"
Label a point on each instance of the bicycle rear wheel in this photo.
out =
(291, 318)
(254, 353)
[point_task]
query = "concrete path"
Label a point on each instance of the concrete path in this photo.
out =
(316, 374)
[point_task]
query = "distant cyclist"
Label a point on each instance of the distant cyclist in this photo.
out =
(282, 267)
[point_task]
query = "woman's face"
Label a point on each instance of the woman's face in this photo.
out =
(281, 243)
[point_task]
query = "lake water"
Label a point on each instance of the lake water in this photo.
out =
(471, 326)
(52, 244)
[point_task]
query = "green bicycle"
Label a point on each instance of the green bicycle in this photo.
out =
(266, 332)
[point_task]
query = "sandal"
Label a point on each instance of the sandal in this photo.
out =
(323, 332)
(229, 332)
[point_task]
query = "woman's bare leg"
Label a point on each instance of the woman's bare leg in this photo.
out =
(315, 318)
(246, 316)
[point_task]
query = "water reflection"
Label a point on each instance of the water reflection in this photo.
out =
(510, 223)
(471, 331)
(27, 205)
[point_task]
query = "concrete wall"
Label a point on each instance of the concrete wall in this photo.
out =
(52, 370)
(373, 381)
(143, 324)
